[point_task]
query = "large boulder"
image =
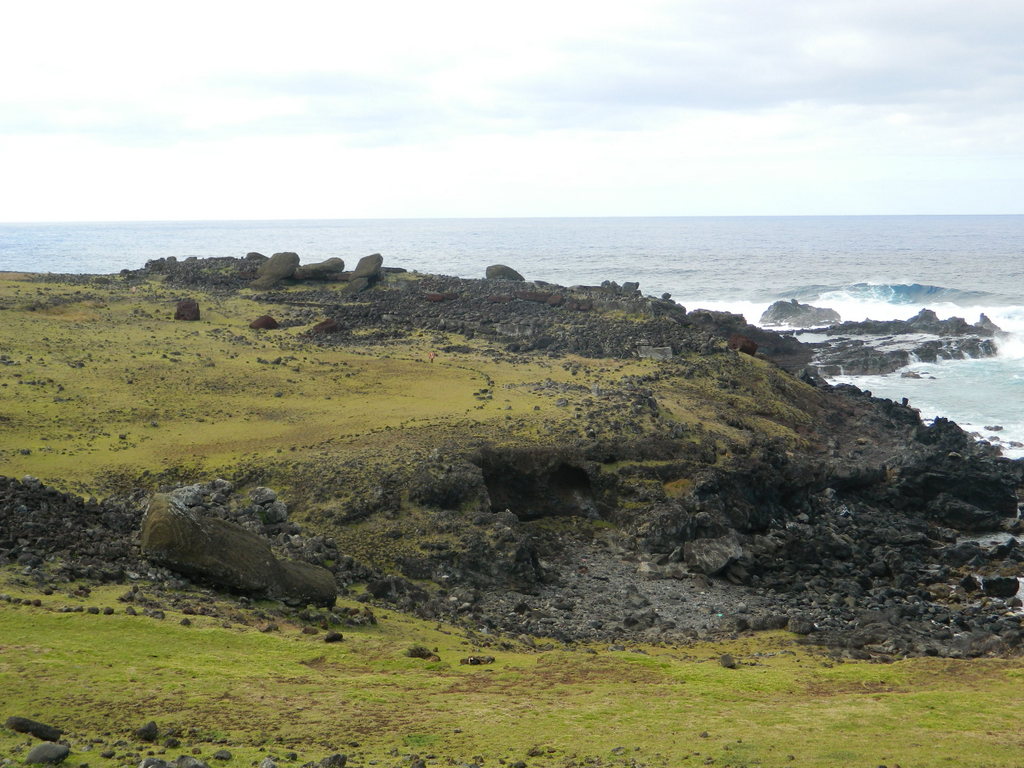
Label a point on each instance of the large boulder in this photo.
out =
(369, 267)
(322, 270)
(279, 267)
(47, 752)
(227, 555)
(796, 314)
(711, 556)
(501, 272)
(37, 729)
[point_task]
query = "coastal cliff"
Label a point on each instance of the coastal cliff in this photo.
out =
(530, 463)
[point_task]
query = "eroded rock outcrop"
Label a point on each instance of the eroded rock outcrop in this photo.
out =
(798, 315)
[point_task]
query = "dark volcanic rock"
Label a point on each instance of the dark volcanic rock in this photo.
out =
(37, 729)
(1000, 586)
(148, 732)
(800, 315)
(925, 321)
(963, 516)
(186, 309)
(501, 272)
(227, 555)
(280, 266)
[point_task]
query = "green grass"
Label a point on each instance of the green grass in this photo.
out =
(100, 677)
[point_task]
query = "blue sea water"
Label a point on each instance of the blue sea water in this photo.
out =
(882, 267)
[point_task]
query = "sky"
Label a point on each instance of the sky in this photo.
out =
(116, 111)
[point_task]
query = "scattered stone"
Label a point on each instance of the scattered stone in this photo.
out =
(421, 652)
(188, 761)
(221, 754)
(333, 637)
(148, 732)
(727, 661)
(186, 309)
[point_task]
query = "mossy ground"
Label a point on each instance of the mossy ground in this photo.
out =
(101, 676)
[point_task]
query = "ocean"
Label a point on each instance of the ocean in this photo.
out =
(877, 267)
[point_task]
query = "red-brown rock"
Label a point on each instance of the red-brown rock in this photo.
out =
(743, 344)
(538, 296)
(187, 309)
(264, 323)
(330, 325)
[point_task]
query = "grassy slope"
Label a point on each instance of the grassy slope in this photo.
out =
(100, 677)
(102, 381)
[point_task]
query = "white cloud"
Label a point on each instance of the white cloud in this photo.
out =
(128, 110)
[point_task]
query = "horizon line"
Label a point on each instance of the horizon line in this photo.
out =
(505, 218)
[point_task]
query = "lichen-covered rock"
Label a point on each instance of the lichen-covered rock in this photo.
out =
(279, 267)
(369, 267)
(227, 555)
(501, 272)
(321, 270)
(711, 556)
(47, 752)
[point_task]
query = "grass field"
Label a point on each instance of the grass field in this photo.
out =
(99, 677)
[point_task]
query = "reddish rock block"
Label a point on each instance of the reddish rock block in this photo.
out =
(538, 296)
(743, 344)
(264, 323)
(330, 325)
(187, 309)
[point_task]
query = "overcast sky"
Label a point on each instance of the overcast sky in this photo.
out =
(225, 110)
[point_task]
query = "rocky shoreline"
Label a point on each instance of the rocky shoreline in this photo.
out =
(854, 535)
